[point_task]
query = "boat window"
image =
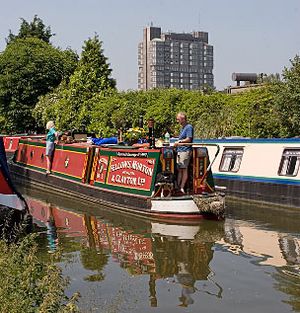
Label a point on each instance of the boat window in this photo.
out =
(231, 159)
(289, 164)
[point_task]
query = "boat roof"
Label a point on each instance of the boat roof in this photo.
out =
(248, 140)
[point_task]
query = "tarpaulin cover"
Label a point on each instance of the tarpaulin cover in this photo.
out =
(104, 141)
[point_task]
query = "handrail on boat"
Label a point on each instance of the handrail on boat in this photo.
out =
(216, 154)
(201, 145)
(194, 144)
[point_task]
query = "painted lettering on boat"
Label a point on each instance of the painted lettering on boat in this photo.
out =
(131, 173)
(135, 165)
(133, 154)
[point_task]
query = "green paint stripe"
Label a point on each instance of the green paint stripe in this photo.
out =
(58, 147)
(129, 191)
(152, 155)
(30, 143)
(75, 149)
(67, 176)
(279, 179)
(38, 168)
(42, 169)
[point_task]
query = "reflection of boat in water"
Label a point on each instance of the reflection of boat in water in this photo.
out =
(140, 246)
(190, 263)
(271, 247)
(275, 241)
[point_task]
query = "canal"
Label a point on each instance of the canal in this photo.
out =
(120, 263)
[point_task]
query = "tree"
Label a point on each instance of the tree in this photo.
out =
(287, 99)
(90, 79)
(35, 29)
(29, 68)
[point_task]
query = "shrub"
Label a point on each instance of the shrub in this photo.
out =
(28, 285)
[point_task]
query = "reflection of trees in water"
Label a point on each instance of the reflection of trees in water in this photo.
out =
(185, 260)
(94, 260)
(288, 281)
(195, 254)
(92, 256)
(168, 254)
(290, 249)
(288, 277)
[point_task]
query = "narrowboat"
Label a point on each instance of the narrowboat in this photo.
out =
(13, 207)
(263, 170)
(131, 178)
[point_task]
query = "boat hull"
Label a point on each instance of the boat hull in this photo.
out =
(262, 170)
(121, 177)
(278, 193)
(179, 208)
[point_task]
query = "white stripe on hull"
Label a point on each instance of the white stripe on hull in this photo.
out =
(11, 201)
(175, 206)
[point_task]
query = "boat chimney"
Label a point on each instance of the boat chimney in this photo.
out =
(141, 121)
(151, 139)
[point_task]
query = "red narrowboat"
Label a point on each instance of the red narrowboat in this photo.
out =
(134, 179)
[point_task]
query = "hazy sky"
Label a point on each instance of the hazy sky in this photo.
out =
(259, 36)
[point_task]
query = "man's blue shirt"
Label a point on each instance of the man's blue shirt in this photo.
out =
(186, 132)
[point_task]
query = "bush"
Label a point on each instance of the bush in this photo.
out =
(28, 285)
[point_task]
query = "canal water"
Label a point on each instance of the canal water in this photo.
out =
(250, 262)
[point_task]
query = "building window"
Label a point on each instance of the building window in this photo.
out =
(231, 159)
(289, 164)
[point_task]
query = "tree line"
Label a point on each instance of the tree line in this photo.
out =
(40, 82)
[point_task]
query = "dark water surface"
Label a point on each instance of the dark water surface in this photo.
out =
(119, 263)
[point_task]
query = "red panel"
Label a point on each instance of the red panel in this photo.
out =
(68, 162)
(11, 143)
(32, 155)
(131, 172)
(64, 161)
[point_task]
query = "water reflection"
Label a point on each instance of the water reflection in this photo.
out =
(178, 252)
(246, 231)
(191, 264)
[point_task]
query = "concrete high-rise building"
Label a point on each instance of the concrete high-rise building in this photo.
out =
(171, 60)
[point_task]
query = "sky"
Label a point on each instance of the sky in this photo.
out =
(257, 36)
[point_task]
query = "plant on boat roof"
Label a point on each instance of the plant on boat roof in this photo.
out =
(133, 134)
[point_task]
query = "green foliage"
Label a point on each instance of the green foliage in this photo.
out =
(29, 68)
(35, 29)
(213, 115)
(86, 97)
(70, 105)
(93, 260)
(287, 100)
(29, 285)
(250, 114)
